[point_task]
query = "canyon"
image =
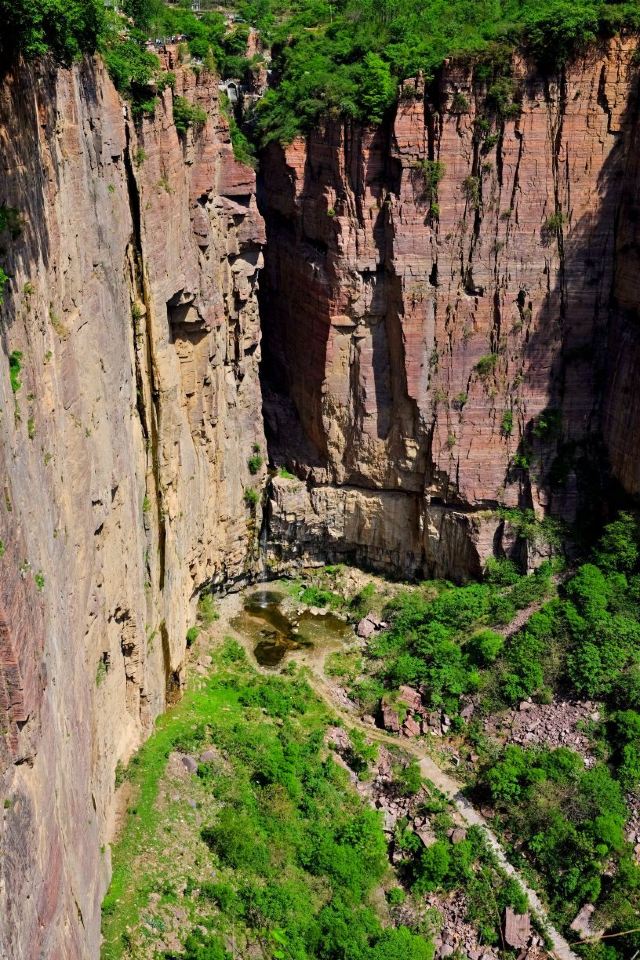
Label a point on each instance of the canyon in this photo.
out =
(161, 301)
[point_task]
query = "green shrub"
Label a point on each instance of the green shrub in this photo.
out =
(4, 280)
(486, 364)
(134, 71)
(192, 635)
(471, 190)
(459, 103)
(506, 427)
(64, 28)
(432, 172)
(409, 779)
(186, 114)
(362, 602)
(11, 221)
(485, 646)
(554, 223)
(15, 368)
(251, 497)
(254, 463)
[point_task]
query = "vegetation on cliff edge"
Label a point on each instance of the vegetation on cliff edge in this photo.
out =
(343, 58)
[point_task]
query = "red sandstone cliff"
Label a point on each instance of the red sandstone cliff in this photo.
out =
(123, 458)
(441, 352)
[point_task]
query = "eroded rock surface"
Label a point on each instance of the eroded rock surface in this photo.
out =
(440, 340)
(123, 458)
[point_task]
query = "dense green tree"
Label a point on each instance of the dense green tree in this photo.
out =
(64, 28)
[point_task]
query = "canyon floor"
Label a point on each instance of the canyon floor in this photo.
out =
(178, 891)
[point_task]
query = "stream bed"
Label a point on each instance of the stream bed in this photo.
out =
(275, 630)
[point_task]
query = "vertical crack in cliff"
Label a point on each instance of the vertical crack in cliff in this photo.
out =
(146, 399)
(559, 213)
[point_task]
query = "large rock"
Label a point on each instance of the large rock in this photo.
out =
(517, 929)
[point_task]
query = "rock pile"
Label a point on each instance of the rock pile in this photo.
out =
(555, 724)
(419, 719)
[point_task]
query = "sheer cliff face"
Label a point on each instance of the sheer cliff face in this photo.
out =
(432, 351)
(124, 457)
(438, 349)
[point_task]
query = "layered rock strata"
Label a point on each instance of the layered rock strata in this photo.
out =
(132, 304)
(440, 299)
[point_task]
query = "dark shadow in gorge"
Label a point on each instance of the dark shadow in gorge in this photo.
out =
(591, 317)
(301, 257)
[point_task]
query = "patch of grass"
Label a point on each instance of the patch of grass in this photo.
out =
(346, 665)
(207, 613)
(15, 368)
(57, 324)
(319, 597)
(101, 672)
(286, 474)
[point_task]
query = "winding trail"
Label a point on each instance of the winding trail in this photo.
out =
(452, 790)
(335, 698)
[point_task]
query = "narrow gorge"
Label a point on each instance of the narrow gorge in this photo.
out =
(417, 331)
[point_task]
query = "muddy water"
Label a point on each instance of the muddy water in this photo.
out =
(274, 632)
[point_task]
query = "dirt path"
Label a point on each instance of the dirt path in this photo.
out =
(466, 811)
(334, 697)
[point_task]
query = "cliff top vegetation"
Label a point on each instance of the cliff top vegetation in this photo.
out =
(342, 58)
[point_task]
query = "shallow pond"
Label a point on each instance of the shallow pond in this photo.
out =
(274, 632)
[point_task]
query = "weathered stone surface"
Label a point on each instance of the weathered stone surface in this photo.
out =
(582, 922)
(410, 728)
(378, 310)
(123, 458)
(390, 530)
(366, 628)
(390, 719)
(517, 928)
(411, 698)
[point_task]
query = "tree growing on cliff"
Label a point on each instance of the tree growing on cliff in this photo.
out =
(378, 87)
